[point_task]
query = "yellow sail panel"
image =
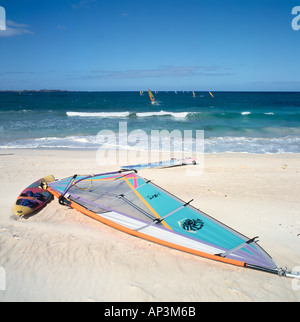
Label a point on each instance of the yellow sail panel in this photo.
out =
(211, 94)
(194, 95)
(152, 99)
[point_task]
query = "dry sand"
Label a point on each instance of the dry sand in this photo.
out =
(62, 255)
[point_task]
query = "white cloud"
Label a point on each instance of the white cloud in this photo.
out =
(15, 29)
(82, 4)
(160, 72)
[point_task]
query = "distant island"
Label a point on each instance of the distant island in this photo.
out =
(34, 91)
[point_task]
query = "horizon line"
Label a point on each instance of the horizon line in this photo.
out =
(137, 90)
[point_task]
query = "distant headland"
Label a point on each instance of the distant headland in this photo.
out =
(34, 91)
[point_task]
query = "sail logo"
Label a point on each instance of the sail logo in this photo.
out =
(191, 225)
(154, 196)
(2, 279)
(2, 19)
(296, 20)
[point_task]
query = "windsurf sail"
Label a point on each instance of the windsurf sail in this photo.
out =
(210, 94)
(152, 99)
(128, 202)
(194, 95)
(162, 164)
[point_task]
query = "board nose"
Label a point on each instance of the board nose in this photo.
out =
(21, 210)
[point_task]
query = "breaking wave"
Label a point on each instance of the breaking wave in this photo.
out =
(288, 144)
(99, 114)
(163, 113)
(128, 114)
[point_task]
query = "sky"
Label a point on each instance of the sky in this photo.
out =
(112, 45)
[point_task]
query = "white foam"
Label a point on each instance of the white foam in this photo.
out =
(246, 113)
(127, 114)
(163, 113)
(99, 114)
(287, 144)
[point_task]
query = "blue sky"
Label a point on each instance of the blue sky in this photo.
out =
(160, 44)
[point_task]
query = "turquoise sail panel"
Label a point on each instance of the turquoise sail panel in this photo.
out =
(189, 221)
(62, 184)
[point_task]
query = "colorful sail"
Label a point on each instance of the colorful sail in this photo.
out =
(126, 201)
(211, 94)
(162, 164)
(194, 95)
(152, 99)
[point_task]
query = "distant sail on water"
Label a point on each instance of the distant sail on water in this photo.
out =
(152, 99)
(211, 94)
(194, 95)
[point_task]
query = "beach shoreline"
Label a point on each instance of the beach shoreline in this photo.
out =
(61, 255)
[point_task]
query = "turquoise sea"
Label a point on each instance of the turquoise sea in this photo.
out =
(253, 122)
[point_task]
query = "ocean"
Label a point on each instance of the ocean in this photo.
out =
(253, 122)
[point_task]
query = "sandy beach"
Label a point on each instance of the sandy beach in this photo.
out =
(61, 255)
